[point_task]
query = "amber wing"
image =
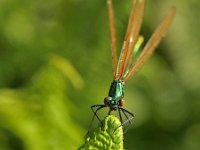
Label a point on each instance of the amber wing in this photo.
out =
(152, 43)
(131, 36)
(112, 34)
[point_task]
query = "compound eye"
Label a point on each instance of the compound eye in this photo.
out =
(121, 102)
(106, 101)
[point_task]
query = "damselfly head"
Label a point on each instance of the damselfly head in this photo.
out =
(110, 102)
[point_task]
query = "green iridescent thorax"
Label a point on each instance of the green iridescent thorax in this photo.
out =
(116, 92)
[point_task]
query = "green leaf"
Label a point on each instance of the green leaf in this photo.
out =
(107, 136)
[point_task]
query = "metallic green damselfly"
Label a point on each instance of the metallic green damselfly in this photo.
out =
(123, 70)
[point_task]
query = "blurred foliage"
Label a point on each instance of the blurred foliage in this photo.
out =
(45, 98)
(39, 115)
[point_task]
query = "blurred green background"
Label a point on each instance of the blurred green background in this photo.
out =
(55, 62)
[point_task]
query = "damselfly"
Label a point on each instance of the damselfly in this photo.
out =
(123, 70)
